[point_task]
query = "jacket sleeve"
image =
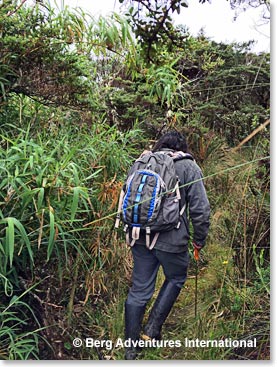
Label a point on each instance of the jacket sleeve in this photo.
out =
(198, 204)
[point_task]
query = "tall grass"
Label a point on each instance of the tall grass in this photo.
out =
(233, 283)
(56, 177)
(17, 341)
(50, 189)
(53, 183)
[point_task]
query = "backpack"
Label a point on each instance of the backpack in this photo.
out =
(150, 199)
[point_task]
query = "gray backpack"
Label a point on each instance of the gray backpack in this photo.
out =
(150, 198)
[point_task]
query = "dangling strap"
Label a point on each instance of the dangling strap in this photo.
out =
(183, 209)
(148, 231)
(135, 235)
(177, 190)
(181, 213)
(126, 230)
(121, 197)
(153, 243)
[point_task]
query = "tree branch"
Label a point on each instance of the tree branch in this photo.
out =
(16, 9)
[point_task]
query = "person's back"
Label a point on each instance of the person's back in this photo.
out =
(170, 251)
(193, 197)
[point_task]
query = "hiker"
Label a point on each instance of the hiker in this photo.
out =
(170, 250)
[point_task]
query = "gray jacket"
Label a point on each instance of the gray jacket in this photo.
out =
(198, 211)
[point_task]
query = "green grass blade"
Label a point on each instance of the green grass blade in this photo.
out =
(13, 223)
(74, 205)
(10, 239)
(40, 197)
(51, 235)
(24, 236)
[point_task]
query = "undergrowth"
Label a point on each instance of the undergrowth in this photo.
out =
(233, 281)
(79, 100)
(52, 185)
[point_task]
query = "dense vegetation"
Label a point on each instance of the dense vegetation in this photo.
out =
(79, 99)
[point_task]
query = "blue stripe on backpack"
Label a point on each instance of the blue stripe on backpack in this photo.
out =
(138, 198)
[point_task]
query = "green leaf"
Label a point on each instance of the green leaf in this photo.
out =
(67, 346)
(10, 239)
(40, 197)
(51, 235)
(13, 223)
(184, 4)
(75, 200)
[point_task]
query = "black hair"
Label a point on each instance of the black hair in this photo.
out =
(172, 140)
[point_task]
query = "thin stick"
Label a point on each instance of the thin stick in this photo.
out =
(261, 127)
(16, 9)
(196, 289)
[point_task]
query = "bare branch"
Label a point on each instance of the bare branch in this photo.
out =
(16, 9)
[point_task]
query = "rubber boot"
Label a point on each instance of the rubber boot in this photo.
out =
(159, 312)
(133, 319)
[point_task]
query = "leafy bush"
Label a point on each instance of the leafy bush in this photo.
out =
(53, 183)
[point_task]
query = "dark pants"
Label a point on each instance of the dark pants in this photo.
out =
(146, 266)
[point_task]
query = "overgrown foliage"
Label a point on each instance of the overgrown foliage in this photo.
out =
(79, 98)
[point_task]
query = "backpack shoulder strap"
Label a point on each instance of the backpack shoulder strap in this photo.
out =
(143, 154)
(177, 156)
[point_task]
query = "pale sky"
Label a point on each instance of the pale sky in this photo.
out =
(216, 19)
